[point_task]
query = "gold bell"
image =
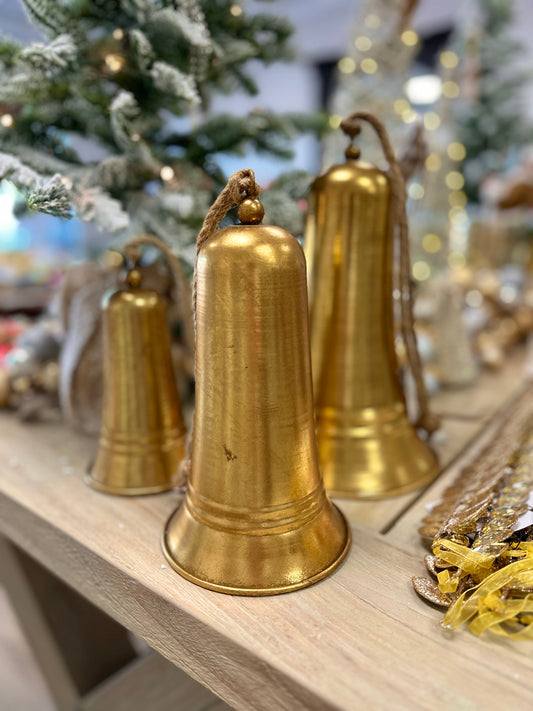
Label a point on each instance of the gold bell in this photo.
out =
(255, 519)
(142, 434)
(367, 447)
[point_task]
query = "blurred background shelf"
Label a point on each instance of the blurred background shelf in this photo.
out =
(31, 300)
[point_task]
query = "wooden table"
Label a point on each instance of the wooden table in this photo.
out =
(359, 639)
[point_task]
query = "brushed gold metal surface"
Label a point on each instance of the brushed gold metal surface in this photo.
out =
(367, 447)
(142, 435)
(255, 519)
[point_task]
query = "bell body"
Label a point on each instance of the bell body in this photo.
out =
(367, 447)
(142, 435)
(255, 519)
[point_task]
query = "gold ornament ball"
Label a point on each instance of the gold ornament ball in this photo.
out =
(250, 212)
(133, 278)
(352, 152)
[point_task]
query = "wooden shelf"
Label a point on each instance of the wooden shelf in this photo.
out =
(359, 639)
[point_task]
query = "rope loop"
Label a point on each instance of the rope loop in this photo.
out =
(352, 127)
(132, 253)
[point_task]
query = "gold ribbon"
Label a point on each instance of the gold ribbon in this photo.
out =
(498, 603)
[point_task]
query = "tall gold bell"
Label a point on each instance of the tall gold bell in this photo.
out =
(255, 519)
(142, 435)
(367, 447)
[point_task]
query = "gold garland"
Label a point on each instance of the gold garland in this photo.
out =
(482, 566)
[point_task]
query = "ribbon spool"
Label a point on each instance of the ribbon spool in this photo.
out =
(255, 519)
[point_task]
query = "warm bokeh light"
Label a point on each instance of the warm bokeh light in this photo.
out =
(369, 65)
(421, 271)
(400, 106)
(236, 10)
(450, 89)
(431, 243)
(373, 21)
(114, 62)
(118, 34)
(508, 293)
(363, 44)
(456, 151)
(423, 89)
(335, 120)
(474, 298)
(454, 180)
(7, 120)
(409, 116)
(458, 216)
(456, 260)
(167, 173)
(449, 59)
(433, 162)
(346, 65)
(416, 191)
(409, 37)
(431, 120)
(457, 198)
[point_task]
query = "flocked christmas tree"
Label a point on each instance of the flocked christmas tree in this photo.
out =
(438, 217)
(372, 76)
(490, 114)
(135, 78)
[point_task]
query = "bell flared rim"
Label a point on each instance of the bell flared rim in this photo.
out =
(381, 460)
(354, 495)
(259, 591)
(128, 491)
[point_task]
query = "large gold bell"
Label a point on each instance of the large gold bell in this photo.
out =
(367, 447)
(142, 434)
(255, 519)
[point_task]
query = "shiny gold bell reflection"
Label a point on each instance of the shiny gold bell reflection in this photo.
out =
(367, 447)
(255, 519)
(142, 434)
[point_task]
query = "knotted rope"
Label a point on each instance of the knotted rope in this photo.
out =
(240, 185)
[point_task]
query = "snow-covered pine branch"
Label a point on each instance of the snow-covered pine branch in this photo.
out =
(51, 197)
(49, 15)
(42, 193)
(172, 81)
(13, 169)
(142, 48)
(95, 205)
(49, 60)
(139, 9)
(179, 22)
(38, 67)
(124, 110)
(42, 163)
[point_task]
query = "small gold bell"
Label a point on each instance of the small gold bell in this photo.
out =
(367, 447)
(255, 519)
(142, 434)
